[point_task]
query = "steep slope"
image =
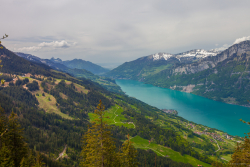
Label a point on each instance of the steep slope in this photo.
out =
(56, 64)
(54, 109)
(82, 64)
(153, 64)
(223, 76)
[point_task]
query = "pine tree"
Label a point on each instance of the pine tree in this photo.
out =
(3, 125)
(5, 154)
(98, 145)
(15, 140)
(128, 155)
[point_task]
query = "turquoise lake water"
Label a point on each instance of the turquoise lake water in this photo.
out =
(194, 108)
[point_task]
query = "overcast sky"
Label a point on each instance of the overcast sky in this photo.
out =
(115, 31)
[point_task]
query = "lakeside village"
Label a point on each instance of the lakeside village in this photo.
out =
(203, 130)
(170, 111)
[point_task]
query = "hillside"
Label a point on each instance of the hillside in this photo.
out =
(150, 65)
(56, 64)
(223, 76)
(55, 108)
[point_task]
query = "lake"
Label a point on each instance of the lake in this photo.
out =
(194, 108)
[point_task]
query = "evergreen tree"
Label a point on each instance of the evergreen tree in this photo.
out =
(15, 141)
(129, 154)
(98, 146)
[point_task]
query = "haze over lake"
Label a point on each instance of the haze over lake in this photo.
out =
(194, 108)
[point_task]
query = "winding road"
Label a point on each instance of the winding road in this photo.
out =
(121, 122)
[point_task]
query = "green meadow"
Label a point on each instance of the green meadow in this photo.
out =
(160, 150)
(114, 117)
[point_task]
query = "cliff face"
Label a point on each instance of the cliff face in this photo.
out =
(211, 62)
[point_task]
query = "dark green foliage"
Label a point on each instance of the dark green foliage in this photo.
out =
(20, 94)
(33, 86)
(20, 82)
(6, 78)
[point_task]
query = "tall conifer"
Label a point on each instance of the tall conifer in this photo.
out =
(128, 155)
(15, 140)
(98, 145)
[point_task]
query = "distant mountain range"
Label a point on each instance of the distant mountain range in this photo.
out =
(58, 64)
(191, 55)
(152, 64)
(76, 63)
(82, 64)
(222, 76)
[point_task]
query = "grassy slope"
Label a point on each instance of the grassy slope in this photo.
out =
(160, 150)
(115, 117)
(228, 145)
(50, 105)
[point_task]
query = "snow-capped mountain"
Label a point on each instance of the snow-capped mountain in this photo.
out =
(198, 53)
(160, 56)
(192, 54)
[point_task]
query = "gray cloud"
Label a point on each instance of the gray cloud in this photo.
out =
(118, 31)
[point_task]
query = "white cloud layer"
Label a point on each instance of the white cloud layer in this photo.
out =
(239, 40)
(119, 31)
(226, 46)
(50, 45)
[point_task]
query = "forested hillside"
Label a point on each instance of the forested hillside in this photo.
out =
(55, 110)
(76, 71)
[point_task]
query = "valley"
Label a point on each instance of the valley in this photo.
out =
(55, 108)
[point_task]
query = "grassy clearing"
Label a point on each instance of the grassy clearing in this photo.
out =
(226, 157)
(48, 103)
(165, 151)
(63, 96)
(80, 88)
(114, 117)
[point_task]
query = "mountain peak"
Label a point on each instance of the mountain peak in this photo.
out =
(58, 60)
(161, 56)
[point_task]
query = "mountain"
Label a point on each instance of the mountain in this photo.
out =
(152, 64)
(56, 64)
(55, 109)
(223, 76)
(81, 64)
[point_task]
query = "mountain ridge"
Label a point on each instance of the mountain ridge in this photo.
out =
(203, 76)
(79, 73)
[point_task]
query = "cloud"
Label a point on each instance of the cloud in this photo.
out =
(55, 44)
(51, 45)
(241, 39)
(224, 47)
(32, 48)
(129, 30)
